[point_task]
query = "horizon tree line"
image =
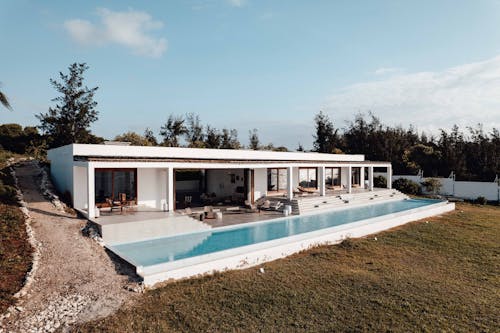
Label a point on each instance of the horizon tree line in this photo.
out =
(472, 155)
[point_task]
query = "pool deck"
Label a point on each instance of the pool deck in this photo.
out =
(138, 213)
(229, 216)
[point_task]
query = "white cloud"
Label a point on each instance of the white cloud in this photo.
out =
(387, 70)
(129, 28)
(237, 3)
(463, 95)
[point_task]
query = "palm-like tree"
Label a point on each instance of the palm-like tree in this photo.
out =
(4, 101)
(172, 130)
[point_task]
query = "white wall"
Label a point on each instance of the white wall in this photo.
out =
(260, 183)
(295, 178)
(61, 168)
(472, 190)
(463, 189)
(151, 187)
(79, 187)
(219, 182)
(343, 176)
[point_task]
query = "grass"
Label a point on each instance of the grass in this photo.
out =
(439, 275)
(15, 250)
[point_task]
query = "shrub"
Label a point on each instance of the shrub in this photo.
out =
(432, 185)
(379, 181)
(481, 200)
(406, 186)
(8, 194)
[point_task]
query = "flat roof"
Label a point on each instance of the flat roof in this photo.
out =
(90, 151)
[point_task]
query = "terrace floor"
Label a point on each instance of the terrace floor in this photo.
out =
(231, 215)
(141, 213)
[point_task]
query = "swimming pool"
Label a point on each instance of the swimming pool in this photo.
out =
(178, 248)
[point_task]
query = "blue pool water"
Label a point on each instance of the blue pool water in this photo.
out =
(155, 251)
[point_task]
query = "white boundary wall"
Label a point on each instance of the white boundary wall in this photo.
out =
(459, 189)
(252, 255)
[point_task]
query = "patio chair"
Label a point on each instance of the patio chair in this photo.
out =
(251, 207)
(209, 212)
(114, 204)
(187, 200)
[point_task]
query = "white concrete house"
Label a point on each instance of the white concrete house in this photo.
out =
(164, 178)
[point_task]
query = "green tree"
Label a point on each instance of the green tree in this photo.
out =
(229, 139)
(253, 138)
(15, 138)
(135, 139)
(422, 157)
(75, 110)
(150, 137)
(173, 129)
(326, 138)
(194, 131)
(212, 138)
(4, 100)
(432, 185)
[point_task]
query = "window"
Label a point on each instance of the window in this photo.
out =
(276, 179)
(308, 177)
(332, 176)
(109, 183)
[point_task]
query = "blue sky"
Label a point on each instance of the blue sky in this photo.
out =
(269, 65)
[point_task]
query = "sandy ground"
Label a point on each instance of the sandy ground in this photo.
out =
(76, 280)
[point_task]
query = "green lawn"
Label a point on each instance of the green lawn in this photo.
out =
(443, 275)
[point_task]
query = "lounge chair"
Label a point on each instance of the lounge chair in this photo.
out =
(268, 205)
(306, 190)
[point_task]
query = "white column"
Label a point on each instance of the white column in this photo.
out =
(289, 182)
(170, 190)
(362, 177)
(389, 177)
(249, 182)
(349, 179)
(370, 178)
(321, 179)
(90, 191)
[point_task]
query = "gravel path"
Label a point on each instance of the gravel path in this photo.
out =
(76, 280)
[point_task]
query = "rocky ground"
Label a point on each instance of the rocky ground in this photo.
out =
(76, 279)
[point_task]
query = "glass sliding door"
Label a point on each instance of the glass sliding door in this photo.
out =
(332, 176)
(103, 186)
(356, 177)
(308, 177)
(276, 179)
(110, 183)
(124, 182)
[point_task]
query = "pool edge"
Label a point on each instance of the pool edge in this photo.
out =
(155, 275)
